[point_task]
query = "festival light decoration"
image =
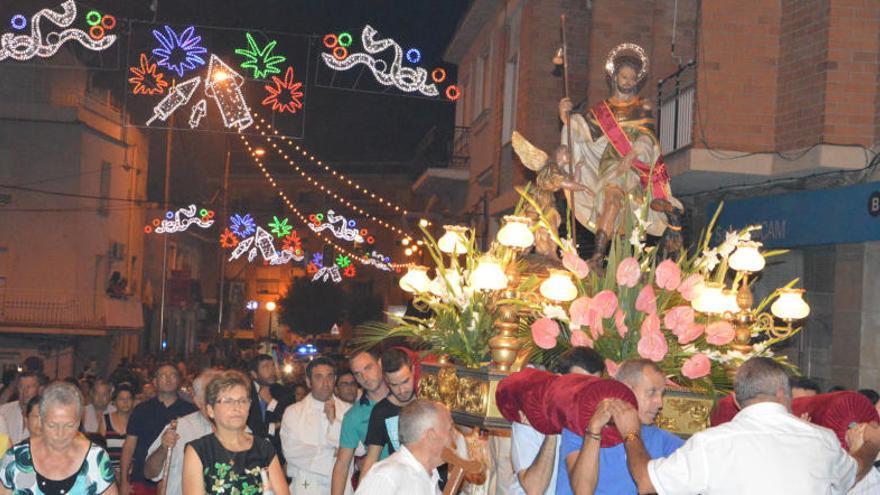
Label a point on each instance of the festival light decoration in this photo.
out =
(405, 79)
(180, 53)
(340, 177)
(318, 259)
(328, 272)
(438, 75)
(345, 39)
(260, 60)
(387, 266)
(453, 93)
(337, 225)
(183, 219)
(343, 261)
(27, 46)
(228, 239)
(293, 243)
(199, 111)
(18, 22)
(224, 85)
(242, 225)
(280, 227)
(286, 87)
(262, 244)
(413, 56)
(178, 96)
(331, 40)
(146, 78)
(349, 271)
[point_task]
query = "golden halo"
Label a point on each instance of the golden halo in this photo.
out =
(627, 47)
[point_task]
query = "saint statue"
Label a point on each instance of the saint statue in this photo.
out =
(616, 156)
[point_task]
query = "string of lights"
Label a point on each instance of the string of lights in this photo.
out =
(318, 163)
(365, 260)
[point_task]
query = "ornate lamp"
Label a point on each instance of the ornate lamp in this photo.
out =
(711, 299)
(450, 278)
(516, 232)
(558, 287)
(416, 279)
(488, 275)
(453, 241)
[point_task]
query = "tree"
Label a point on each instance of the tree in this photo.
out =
(311, 308)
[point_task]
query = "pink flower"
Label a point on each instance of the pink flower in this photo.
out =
(652, 344)
(544, 333)
(605, 303)
(628, 272)
(611, 367)
(690, 287)
(620, 322)
(580, 339)
(651, 324)
(691, 333)
(697, 366)
(647, 301)
(719, 333)
(575, 264)
(596, 328)
(668, 275)
(679, 318)
(578, 312)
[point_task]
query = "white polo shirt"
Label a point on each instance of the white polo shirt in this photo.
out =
(525, 445)
(399, 474)
(763, 450)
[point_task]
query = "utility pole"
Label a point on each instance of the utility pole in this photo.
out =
(168, 141)
(225, 225)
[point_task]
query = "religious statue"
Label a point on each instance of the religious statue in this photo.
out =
(551, 177)
(616, 156)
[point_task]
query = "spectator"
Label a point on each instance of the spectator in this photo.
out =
(146, 422)
(115, 423)
(231, 460)
(803, 387)
(346, 386)
(13, 413)
(102, 393)
(310, 431)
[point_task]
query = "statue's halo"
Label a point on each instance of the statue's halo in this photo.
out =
(627, 48)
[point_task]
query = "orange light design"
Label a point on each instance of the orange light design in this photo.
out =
(146, 79)
(453, 93)
(284, 87)
(438, 75)
(331, 41)
(340, 53)
(228, 239)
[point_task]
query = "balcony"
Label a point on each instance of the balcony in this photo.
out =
(37, 311)
(675, 112)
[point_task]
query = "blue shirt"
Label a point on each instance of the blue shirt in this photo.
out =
(354, 425)
(614, 476)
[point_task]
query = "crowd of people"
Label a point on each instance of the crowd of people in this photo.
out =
(357, 425)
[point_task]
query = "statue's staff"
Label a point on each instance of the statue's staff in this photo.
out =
(162, 488)
(561, 58)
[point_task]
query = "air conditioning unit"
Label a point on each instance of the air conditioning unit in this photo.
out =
(117, 251)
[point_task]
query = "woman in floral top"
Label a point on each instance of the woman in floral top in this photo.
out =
(230, 460)
(60, 460)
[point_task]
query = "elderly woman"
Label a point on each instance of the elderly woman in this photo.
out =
(231, 460)
(60, 460)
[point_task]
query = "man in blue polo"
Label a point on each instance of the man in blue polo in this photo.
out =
(584, 465)
(367, 371)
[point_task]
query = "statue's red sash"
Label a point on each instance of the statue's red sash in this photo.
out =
(620, 141)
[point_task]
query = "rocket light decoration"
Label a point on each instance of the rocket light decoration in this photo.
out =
(22, 47)
(177, 97)
(224, 85)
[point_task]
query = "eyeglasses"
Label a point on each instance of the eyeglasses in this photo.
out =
(230, 402)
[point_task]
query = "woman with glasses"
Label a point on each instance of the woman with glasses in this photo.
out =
(231, 460)
(59, 460)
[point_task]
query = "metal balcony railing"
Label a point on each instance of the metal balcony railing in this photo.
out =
(65, 309)
(675, 108)
(459, 156)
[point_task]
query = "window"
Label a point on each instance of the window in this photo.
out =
(476, 88)
(104, 189)
(511, 74)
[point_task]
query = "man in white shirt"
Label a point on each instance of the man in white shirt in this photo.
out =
(535, 456)
(425, 429)
(310, 431)
(763, 450)
(93, 414)
(190, 427)
(13, 412)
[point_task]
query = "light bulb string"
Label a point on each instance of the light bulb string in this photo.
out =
(269, 178)
(264, 125)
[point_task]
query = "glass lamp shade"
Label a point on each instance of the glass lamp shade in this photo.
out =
(711, 299)
(747, 258)
(453, 241)
(730, 304)
(790, 305)
(416, 279)
(516, 232)
(439, 286)
(488, 275)
(559, 287)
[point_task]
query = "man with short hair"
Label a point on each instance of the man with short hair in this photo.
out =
(262, 371)
(13, 413)
(535, 456)
(310, 431)
(367, 370)
(802, 386)
(346, 386)
(584, 465)
(147, 420)
(93, 414)
(398, 371)
(764, 449)
(172, 441)
(425, 429)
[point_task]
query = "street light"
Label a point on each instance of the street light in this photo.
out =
(259, 151)
(271, 307)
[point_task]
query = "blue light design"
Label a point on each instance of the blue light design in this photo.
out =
(19, 22)
(242, 225)
(179, 53)
(169, 215)
(252, 305)
(352, 224)
(413, 56)
(318, 259)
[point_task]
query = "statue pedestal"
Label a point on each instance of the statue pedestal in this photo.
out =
(469, 393)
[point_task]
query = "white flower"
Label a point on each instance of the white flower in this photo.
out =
(636, 240)
(709, 260)
(555, 312)
(729, 244)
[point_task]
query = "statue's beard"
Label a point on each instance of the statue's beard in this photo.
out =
(627, 91)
